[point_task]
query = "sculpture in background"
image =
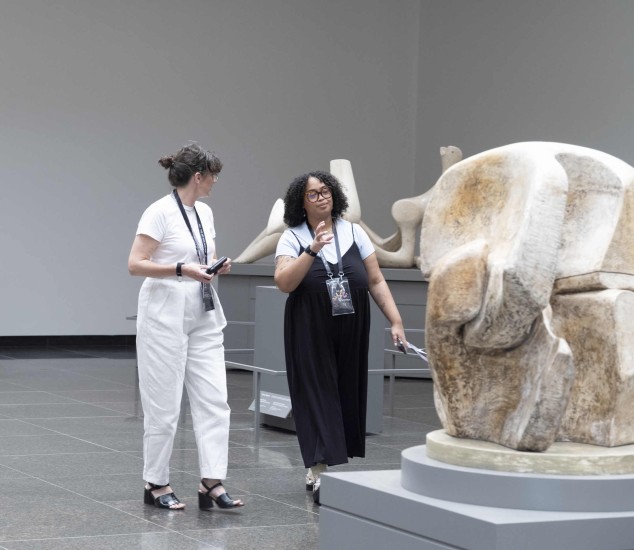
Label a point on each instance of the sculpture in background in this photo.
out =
(529, 252)
(397, 250)
(266, 242)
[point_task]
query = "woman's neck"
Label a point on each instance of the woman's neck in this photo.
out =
(187, 195)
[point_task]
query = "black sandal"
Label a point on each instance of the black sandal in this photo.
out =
(206, 500)
(164, 501)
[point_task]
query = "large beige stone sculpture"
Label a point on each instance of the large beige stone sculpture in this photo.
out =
(529, 253)
(398, 250)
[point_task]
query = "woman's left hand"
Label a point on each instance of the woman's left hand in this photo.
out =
(225, 268)
(398, 333)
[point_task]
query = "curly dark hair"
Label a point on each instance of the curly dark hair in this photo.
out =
(294, 213)
(187, 161)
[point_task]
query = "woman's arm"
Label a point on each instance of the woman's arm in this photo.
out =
(381, 294)
(290, 272)
(139, 262)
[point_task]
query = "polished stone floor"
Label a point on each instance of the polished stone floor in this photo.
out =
(71, 460)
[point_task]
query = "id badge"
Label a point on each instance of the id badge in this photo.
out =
(208, 299)
(339, 291)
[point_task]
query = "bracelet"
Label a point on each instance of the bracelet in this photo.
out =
(179, 271)
(310, 252)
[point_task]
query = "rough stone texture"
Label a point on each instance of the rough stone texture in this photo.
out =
(505, 234)
(599, 328)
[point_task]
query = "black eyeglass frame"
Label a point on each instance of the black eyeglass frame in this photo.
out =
(324, 193)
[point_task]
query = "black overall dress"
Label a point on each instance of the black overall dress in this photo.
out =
(327, 363)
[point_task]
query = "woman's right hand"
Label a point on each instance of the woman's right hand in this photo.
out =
(196, 272)
(322, 237)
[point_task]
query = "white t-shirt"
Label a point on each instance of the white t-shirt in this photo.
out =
(163, 221)
(288, 245)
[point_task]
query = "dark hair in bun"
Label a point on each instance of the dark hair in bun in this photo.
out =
(187, 161)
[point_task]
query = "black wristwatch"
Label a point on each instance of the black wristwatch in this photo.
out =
(310, 252)
(179, 271)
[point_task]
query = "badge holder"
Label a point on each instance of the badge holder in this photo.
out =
(339, 291)
(338, 287)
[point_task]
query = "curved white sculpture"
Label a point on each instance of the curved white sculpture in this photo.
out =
(397, 250)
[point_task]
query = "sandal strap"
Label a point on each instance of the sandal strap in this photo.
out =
(153, 486)
(210, 489)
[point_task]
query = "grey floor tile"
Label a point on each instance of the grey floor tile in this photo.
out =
(400, 442)
(63, 381)
(56, 410)
(240, 458)
(279, 537)
(128, 409)
(31, 398)
(423, 415)
(76, 518)
(264, 481)
(21, 352)
(108, 352)
(302, 499)
(133, 442)
(47, 444)
(24, 492)
(20, 427)
(50, 446)
(10, 473)
(120, 487)
(123, 395)
(95, 425)
(136, 541)
(398, 426)
(241, 420)
(258, 511)
(77, 464)
(269, 437)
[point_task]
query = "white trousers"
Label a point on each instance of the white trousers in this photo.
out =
(178, 342)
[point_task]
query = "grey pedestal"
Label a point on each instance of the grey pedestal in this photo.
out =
(269, 353)
(429, 505)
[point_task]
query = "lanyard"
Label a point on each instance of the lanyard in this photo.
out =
(208, 300)
(202, 256)
(321, 254)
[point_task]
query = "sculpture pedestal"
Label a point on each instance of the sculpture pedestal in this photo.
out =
(431, 505)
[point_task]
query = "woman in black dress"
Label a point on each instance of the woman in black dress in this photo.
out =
(326, 340)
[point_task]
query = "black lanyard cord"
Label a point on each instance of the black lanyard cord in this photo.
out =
(205, 288)
(321, 254)
(202, 256)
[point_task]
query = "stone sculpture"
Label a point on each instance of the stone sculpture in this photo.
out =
(529, 252)
(394, 251)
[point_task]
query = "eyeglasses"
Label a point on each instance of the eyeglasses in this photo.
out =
(313, 196)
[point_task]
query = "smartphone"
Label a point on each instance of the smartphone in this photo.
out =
(401, 346)
(213, 269)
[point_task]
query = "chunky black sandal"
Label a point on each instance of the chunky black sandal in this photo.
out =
(316, 488)
(206, 500)
(164, 501)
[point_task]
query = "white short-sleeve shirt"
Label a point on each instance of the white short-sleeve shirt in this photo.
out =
(163, 221)
(288, 244)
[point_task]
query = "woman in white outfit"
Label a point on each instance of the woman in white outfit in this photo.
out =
(179, 330)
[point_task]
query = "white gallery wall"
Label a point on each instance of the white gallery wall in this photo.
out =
(93, 92)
